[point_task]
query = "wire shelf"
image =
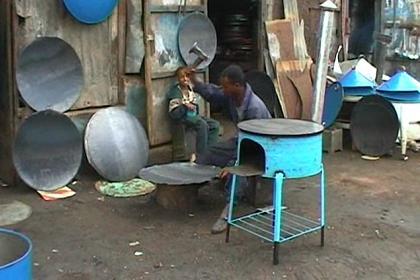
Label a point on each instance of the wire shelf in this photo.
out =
(261, 224)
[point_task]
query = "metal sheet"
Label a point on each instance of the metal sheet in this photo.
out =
(332, 104)
(281, 127)
(48, 150)
(198, 28)
(401, 81)
(179, 173)
(49, 75)
(263, 86)
(116, 144)
(92, 11)
(374, 126)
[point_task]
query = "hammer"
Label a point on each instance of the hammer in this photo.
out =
(201, 55)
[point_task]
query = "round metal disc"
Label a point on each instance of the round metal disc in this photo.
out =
(196, 27)
(281, 127)
(48, 150)
(332, 104)
(116, 144)
(90, 11)
(263, 86)
(49, 75)
(179, 173)
(374, 126)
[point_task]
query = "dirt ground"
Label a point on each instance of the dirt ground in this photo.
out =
(373, 231)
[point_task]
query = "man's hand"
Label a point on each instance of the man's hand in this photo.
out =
(192, 75)
(223, 174)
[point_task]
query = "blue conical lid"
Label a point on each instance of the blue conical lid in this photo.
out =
(401, 81)
(355, 79)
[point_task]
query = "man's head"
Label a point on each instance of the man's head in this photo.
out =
(233, 82)
(183, 76)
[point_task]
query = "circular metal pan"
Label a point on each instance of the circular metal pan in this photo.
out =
(374, 126)
(196, 27)
(49, 75)
(333, 101)
(263, 86)
(48, 150)
(281, 127)
(90, 11)
(179, 173)
(116, 144)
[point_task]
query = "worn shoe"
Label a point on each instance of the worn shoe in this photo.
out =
(219, 226)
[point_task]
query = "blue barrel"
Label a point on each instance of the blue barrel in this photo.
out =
(293, 147)
(15, 256)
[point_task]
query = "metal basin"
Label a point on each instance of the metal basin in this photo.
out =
(48, 150)
(92, 11)
(197, 27)
(15, 256)
(116, 144)
(49, 75)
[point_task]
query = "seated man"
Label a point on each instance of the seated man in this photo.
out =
(183, 108)
(240, 103)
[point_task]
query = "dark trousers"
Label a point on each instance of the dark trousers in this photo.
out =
(207, 131)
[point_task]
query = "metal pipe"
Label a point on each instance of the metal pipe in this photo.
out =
(328, 8)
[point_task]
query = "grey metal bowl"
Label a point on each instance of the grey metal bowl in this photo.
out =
(116, 144)
(48, 150)
(49, 75)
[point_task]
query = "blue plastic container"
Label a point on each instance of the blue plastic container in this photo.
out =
(90, 11)
(15, 256)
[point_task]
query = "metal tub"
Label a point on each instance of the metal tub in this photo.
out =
(15, 256)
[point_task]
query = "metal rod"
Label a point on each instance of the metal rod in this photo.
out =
(322, 236)
(227, 233)
(328, 9)
(276, 253)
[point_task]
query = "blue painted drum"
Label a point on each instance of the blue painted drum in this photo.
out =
(92, 11)
(15, 256)
(293, 147)
(295, 157)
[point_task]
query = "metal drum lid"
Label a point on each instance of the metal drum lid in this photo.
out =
(116, 144)
(197, 27)
(48, 150)
(355, 79)
(263, 86)
(49, 75)
(374, 126)
(90, 11)
(179, 173)
(281, 127)
(401, 82)
(332, 104)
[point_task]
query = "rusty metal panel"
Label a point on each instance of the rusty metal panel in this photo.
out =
(175, 2)
(96, 46)
(134, 38)
(166, 57)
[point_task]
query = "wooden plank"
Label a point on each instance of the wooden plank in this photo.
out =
(134, 37)
(280, 40)
(290, 95)
(7, 107)
(175, 2)
(149, 48)
(177, 8)
(122, 24)
(96, 46)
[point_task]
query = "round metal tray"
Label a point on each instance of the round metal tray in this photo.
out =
(281, 127)
(116, 144)
(90, 11)
(48, 150)
(49, 75)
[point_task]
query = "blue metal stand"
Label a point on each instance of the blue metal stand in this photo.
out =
(277, 225)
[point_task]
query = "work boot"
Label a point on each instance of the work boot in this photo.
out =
(221, 224)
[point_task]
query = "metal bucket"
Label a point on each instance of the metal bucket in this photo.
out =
(48, 150)
(15, 256)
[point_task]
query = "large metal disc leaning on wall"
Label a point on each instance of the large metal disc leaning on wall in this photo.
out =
(116, 144)
(49, 75)
(48, 150)
(90, 11)
(374, 126)
(197, 28)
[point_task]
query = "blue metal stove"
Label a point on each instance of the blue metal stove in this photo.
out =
(280, 149)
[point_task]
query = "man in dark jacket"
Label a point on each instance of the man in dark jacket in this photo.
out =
(240, 103)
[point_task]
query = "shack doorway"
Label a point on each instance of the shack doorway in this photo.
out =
(239, 27)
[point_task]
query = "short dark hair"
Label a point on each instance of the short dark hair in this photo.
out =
(234, 74)
(180, 70)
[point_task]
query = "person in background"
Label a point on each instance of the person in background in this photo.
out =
(183, 108)
(236, 98)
